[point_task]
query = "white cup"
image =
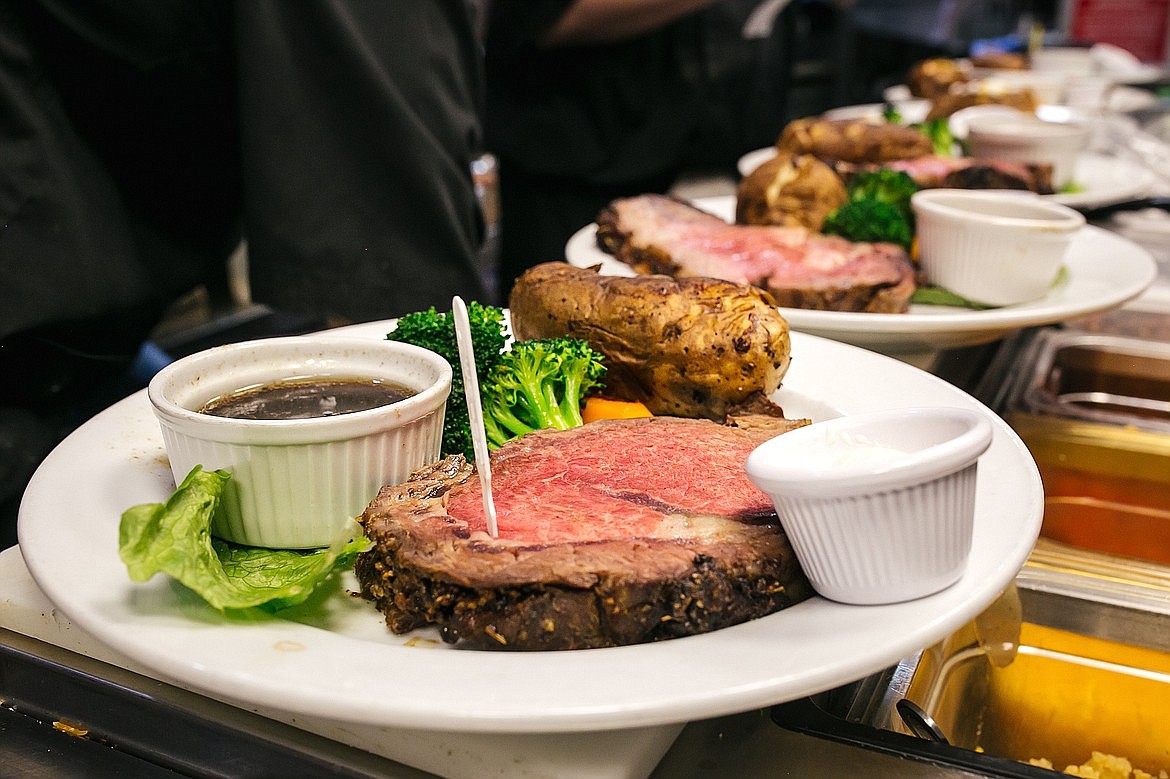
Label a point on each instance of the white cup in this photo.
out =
(296, 483)
(1028, 139)
(996, 247)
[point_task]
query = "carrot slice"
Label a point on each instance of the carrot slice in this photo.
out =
(604, 408)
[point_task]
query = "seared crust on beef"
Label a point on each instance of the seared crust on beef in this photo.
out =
(1034, 177)
(617, 238)
(883, 298)
(425, 567)
(964, 173)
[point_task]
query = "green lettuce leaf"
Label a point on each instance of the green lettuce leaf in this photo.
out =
(175, 538)
(937, 296)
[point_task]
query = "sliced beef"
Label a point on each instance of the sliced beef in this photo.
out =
(613, 533)
(966, 173)
(660, 234)
(997, 174)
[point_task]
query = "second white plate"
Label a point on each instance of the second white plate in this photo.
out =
(1100, 179)
(1104, 271)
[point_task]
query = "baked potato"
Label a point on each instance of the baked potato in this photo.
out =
(1022, 99)
(689, 347)
(792, 191)
(852, 140)
(932, 77)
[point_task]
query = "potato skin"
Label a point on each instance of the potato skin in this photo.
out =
(690, 347)
(852, 140)
(790, 191)
(1023, 99)
(931, 78)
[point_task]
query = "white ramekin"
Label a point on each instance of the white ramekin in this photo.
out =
(1046, 87)
(1063, 60)
(295, 483)
(993, 247)
(870, 525)
(1026, 138)
(960, 121)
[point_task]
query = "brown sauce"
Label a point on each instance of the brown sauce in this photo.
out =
(306, 399)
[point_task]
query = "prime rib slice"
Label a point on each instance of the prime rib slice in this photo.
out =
(613, 533)
(661, 234)
(966, 173)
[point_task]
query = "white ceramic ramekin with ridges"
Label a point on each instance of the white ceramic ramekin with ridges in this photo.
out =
(1029, 139)
(997, 247)
(297, 482)
(879, 507)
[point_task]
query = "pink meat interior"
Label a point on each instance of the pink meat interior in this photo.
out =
(705, 245)
(593, 485)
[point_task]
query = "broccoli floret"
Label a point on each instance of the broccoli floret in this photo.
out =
(884, 184)
(878, 208)
(539, 384)
(940, 135)
(891, 113)
(870, 220)
(436, 331)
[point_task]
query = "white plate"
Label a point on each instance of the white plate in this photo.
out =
(1104, 271)
(1101, 179)
(754, 159)
(1120, 98)
(338, 661)
(913, 111)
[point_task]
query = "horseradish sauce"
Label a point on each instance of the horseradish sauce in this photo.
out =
(842, 449)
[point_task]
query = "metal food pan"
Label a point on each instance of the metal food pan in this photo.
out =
(1083, 665)
(1067, 691)
(1106, 488)
(1094, 411)
(1101, 378)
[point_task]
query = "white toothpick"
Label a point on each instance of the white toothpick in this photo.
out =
(483, 463)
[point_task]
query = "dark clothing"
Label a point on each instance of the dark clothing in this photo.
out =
(140, 140)
(599, 114)
(575, 126)
(357, 148)
(118, 182)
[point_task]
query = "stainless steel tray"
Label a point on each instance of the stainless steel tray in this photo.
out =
(1093, 639)
(1098, 378)
(66, 715)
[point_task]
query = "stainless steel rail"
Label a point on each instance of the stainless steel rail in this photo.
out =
(64, 715)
